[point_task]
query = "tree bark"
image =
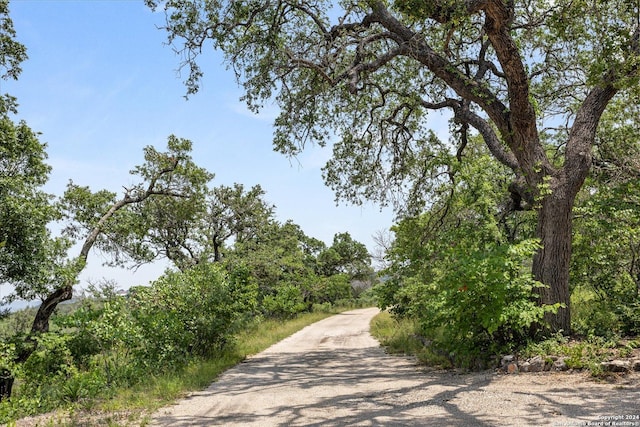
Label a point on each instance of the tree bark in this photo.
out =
(41, 322)
(551, 263)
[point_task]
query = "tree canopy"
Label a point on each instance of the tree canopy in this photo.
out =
(532, 78)
(25, 209)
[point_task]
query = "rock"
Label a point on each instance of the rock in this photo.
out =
(616, 366)
(635, 365)
(512, 368)
(507, 359)
(525, 366)
(508, 364)
(560, 365)
(536, 364)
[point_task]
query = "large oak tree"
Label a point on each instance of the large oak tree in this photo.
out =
(532, 77)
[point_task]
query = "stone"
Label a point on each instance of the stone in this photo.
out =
(508, 364)
(536, 364)
(616, 366)
(512, 368)
(560, 365)
(635, 365)
(525, 366)
(507, 359)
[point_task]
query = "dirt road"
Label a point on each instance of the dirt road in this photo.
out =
(333, 373)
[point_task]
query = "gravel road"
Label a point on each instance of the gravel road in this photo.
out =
(333, 373)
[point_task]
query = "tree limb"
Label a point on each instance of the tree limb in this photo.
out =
(412, 45)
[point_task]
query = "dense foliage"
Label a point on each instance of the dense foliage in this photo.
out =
(459, 270)
(542, 164)
(606, 267)
(25, 208)
(234, 262)
(107, 340)
(532, 78)
(268, 269)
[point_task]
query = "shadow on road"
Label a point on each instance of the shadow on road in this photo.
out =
(369, 388)
(333, 373)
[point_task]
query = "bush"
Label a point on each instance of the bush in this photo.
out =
(478, 304)
(591, 315)
(285, 303)
(192, 313)
(333, 288)
(111, 341)
(606, 314)
(181, 316)
(48, 377)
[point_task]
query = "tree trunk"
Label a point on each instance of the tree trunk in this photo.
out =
(216, 250)
(551, 263)
(48, 306)
(40, 325)
(6, 384)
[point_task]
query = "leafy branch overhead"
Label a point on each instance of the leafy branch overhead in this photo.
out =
(532, 78)
(504, 68)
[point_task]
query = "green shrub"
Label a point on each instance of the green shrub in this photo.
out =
(478, 303)
(587, 353)
(50, 363)
(285, 303)
(325, 307)
(47, 378)
(591, 315)
(181, 316)
(191, 313)
(331, 289)
(402, 336)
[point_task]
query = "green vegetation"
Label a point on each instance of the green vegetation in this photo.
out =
(402, 336)
(119, 404)
(459, 285)
(550, 89)
(205, 311)
(520, 230)
(233, 267)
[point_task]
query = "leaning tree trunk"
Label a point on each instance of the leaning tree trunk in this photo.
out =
(40, 325)
(65, 293)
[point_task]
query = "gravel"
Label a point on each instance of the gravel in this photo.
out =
(333, 373)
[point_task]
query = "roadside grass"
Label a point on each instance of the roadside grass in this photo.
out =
(261, 335)
(585, 353)
(399, 336)
(133, 406)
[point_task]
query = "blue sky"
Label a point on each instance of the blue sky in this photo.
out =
(100, 85)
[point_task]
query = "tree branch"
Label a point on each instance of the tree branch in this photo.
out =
(578, 157)
(498, 18)
(464, 115)
(412, 45)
